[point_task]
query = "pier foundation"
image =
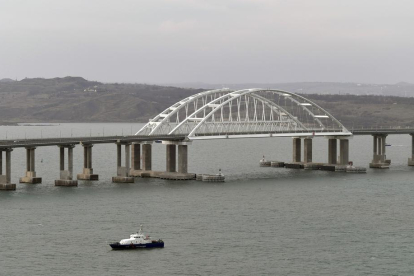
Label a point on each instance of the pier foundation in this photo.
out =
(30, 168)
(66, 176)
(87, 173)
(379, 160)
(123, 172)
(411, 160)
(5, 179)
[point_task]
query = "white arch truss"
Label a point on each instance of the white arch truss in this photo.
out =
(224, 113)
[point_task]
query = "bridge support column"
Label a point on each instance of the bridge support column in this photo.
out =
(6, 179)
(182, 158)
(171, 161)
(136, 156)
(343, 151)
(147, 156)
(66, 176)
(332, 151)
(411, 160)
(379, 160)
(87, 173)
(30, 168)
(123, 172)
(307, 150)
(171, 158)
(296, 149)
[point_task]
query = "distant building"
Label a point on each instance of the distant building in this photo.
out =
(94, 89)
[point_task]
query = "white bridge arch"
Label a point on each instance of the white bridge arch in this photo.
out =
(224, 113)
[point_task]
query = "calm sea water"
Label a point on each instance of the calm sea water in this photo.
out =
(261, 221)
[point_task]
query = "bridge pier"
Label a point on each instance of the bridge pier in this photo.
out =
(66, 176)
(142, 165)
(171, 158)
(5, 179)
(87, 173)
(296, 149)
(343, 151)
(379, 160)
(332, 151)
(123, 172)
(183, 158)
(147, 156)
(30, 168)
(333, 158)
(411, 160)
(171, 161)
(136, 157)
(307, 150)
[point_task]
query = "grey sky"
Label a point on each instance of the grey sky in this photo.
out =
(216, 41)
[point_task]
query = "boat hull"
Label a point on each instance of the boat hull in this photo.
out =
(118, 246)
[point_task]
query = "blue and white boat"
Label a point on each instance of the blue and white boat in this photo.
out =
(137, 240)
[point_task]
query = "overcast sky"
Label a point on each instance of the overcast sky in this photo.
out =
(215, 41)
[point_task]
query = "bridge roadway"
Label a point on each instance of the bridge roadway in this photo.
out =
(382, 131)
(21, 143)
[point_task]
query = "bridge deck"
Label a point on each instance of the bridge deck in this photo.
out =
(380, 131)
(85, 140)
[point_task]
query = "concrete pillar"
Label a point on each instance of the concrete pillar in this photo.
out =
(27, 159)
(32, 160)
(379, 145)
(6, 179)
(171, 158)
(123, 173)
(62, 158)
(146, 157)
(118, 155)
(343, 151)
(90, 157)
(70, 162)
(383, 143)
(307, 150)
(66, 176)
(379, 158)
(85, 157)
(8, 166)
(296, 150)
(332, 151)
(136, 156)
(182, 158)
(87, 173)
(127, 158)
(30, 176)
(412, 146)
(410, 160)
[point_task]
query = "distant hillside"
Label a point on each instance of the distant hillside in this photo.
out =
(74, 99)
(401, 89)
(6, 80)
(368, 111)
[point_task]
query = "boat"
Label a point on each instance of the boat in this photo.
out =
(137, 240)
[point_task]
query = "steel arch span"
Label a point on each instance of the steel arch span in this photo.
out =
(224, 113)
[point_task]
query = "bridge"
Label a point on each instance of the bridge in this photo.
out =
(215, 114)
